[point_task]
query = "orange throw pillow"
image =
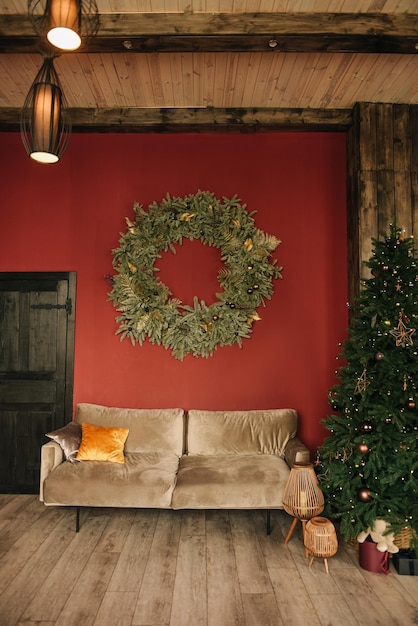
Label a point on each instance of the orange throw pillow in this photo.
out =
(100, 443)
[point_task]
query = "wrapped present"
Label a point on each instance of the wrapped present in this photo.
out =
(406, 562)
(372, 559)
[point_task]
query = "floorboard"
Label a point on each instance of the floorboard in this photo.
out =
(182, 568)
(224, 598)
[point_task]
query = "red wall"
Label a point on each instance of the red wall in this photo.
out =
(68, 216)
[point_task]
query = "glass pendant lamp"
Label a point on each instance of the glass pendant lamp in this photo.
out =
(44, 123)
(65, 23)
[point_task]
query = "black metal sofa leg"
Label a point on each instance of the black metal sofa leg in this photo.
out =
(268, 526)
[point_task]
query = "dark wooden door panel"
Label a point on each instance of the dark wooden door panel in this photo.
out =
(36, 369)
(22, 435)
(9, 341)
(28, 391)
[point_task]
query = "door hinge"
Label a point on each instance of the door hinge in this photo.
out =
(68, 306)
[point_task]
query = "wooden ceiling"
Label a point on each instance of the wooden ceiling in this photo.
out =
(206, 65)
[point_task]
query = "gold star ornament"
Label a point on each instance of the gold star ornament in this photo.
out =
(402, 334)
(362, 382)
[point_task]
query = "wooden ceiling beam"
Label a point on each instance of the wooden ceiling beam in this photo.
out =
(183, 120)
(218, 32)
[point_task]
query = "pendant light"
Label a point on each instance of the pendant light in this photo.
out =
(64, 22)
(44, 123)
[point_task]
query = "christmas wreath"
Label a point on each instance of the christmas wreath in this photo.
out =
(145, 304)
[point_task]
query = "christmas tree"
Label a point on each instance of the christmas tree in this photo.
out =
(368, 465)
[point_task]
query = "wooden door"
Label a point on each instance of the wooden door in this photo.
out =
(36, 370)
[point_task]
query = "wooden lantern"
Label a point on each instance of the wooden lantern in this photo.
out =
(320, 539)
(302, 497)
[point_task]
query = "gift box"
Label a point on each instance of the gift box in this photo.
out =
(406, 562)
(371, 558)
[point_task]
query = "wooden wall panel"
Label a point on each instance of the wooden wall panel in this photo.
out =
(352, 208)
(382, 179)
(385, 201)
(384, 149)
(413, 118)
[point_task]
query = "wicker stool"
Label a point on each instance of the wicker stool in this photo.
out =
(320, 540)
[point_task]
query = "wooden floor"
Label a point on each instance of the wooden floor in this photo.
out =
(155, 568)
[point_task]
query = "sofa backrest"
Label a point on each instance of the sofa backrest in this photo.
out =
(240, 432)
(150, 430)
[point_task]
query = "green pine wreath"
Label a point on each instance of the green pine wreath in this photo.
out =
(145, 304)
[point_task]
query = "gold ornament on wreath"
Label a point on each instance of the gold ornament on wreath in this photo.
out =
(147, 308)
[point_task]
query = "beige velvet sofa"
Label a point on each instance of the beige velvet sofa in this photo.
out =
(177, 460)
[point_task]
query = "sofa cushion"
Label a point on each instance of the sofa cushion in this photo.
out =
(240, 432)
(230, 482)
(102, 443)
(143, 481)
(150, 430)
(69, 438)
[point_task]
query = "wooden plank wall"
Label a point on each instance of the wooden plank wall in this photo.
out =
(382, 179)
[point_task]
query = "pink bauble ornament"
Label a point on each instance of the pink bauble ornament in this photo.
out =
(364, 494)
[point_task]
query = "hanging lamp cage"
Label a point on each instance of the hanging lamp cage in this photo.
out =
(65, 23)
(45, 123)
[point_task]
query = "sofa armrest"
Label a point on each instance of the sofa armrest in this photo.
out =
(296, 452)
(51, 456)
